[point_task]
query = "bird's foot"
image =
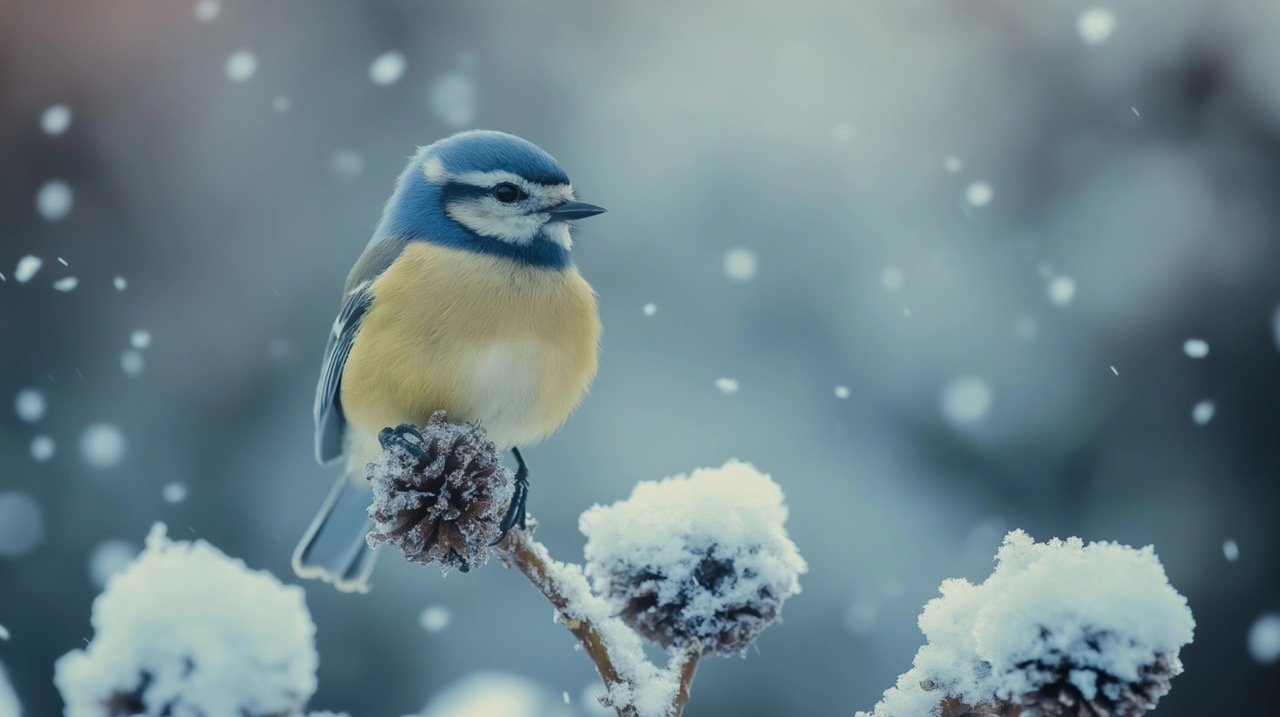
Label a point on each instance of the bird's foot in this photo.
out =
(407, 437)
(516, 510)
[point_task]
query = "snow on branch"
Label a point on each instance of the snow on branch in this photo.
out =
(697, 564)
(185, 630)
(1059, 629)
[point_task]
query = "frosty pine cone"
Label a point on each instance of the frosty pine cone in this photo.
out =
(439, 494)
(1058, 695)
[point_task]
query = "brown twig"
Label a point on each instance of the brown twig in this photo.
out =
(521, 551)
(688, 668)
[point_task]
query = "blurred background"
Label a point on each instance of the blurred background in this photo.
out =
(943, 269)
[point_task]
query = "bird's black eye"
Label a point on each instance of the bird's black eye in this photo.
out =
(508, 193)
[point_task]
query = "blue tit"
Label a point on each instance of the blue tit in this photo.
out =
(465, 300)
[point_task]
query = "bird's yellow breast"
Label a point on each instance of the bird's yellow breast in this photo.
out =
(482, 337)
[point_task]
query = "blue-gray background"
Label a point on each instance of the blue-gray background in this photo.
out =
(1146, 168)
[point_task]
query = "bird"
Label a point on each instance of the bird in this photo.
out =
(466, 299)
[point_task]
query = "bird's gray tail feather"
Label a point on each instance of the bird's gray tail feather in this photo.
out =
(334, 549)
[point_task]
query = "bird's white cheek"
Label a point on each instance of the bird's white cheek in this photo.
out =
(558, 232)
(483, 220)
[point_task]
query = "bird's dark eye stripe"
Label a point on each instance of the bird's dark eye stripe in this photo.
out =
(508, 193)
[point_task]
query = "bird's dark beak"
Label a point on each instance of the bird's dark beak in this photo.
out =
(575, 210)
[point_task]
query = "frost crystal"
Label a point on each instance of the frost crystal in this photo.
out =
(185, 630)
(1057, 626)
(702, 557)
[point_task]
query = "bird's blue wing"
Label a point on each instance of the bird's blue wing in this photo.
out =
(330, 421)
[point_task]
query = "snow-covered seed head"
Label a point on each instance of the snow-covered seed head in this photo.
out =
(703, 558)
(1059, 629)
(439, 493)
(185, 630)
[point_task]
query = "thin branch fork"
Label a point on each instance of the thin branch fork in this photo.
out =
(520, 551)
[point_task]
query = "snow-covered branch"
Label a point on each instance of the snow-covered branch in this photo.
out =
(699, 564)
(1059, 629)
(185, 630)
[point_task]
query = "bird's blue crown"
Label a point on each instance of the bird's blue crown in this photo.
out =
(486, 192)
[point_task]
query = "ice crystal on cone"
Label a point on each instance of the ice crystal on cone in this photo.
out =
(702, 558)
(439, 494)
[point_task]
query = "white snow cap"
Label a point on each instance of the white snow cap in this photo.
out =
(1098, 610)
(191, 631)
(703, 556)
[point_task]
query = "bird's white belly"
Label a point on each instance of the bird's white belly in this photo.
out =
(503, 391)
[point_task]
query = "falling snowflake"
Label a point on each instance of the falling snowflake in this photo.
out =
(952, 164)
(120, 283)
(1230, 551)
(979, 194)
(1196, 348)
(891, 278)
(650, 309)
(842, 392)
(842, 133)
(66, 284)
(108, 558)
(346, 164)
(966, 400)
(241, 66)
(102, 445)
(30, 405)
(27, 268)
(1095, 25)
(1264, 639)
(740, 264)
(453, 99)
(21, 524)
(54, 200)
(132, 363)
(55, 120)
(435, 618)
(387, 68)
(43, 448)
(727, 385)
(1062, 290)
(174, 492)
(207, 10)
(140, 339)
(281, 104)
(1202, 412)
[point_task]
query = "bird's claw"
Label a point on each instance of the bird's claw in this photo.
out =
(516, 510)
(407, 437)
